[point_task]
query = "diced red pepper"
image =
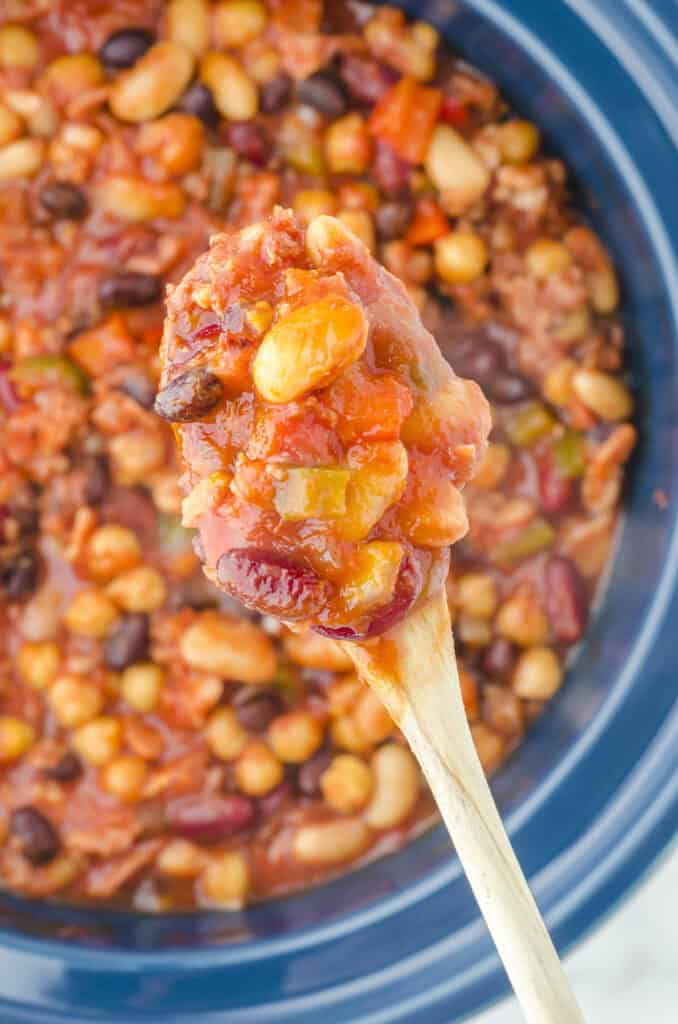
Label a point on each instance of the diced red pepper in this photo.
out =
(405, 117)
(430, 222)
(453, 111)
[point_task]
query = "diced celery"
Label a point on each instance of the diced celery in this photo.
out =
(310, 493)
(536, 536)
(305, 155)
(569, 454)
(375, 571)
(172, 535)
(34, 372)
(530, 423)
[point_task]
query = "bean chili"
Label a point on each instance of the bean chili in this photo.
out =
(158, 746)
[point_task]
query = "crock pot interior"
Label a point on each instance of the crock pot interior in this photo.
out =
(524, 785)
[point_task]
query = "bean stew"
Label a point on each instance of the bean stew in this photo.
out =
(161, 746)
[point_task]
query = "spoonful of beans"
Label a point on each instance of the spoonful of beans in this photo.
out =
(325, 443)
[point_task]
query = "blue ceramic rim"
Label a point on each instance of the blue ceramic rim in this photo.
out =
(647, 833)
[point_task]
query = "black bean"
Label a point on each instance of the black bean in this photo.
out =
(26, 517)
(508, 388)
(189, 396)
(67, 768)
(393, 218)
(324, 93)
(138, 386)
(130, 288)
(127, 642)
(19, 572)
(198, 100)
(64, 200)
(275, 93)
(97, 479)
(389, 171)
(311, 771)
(478, 359)
(125, 47)
(257, 712)
(37, 836)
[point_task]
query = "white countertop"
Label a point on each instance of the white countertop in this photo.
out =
(627, 971)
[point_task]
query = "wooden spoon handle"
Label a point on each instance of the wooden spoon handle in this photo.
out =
(413, 669)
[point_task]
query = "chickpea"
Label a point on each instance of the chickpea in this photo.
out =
(228, 648)
(557, 385)
(361, 224)
(348, 146)
(74, 701)
(456, 170)
(295, 736)
(225, 736)
(38, 663)
(90, 613)
(174, 142)
(21, 159)
(235, 94)
(225, 881)
(347, 783)
(180, 859)
(16, 736)
(546, 257)
(347, 735)
(11, 128)
(477, 594)
(604, 394)
(330, 842)
(138, 590)
(98, 741)
(396, 786)
(19, 47)
(135, 455)
(258, 770)
(314, 651)
(111, 549)
(69, 76)
(460, 257)
(493, 466)
(490, 747)
(538, 674)
(124, 778)
(166, 493)
(518, 141)
(237, 22)
(371, 718)
(135, 200)
(522, 619)
(141, 685)
(188, 24)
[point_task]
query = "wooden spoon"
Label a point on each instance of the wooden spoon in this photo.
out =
(413, 670)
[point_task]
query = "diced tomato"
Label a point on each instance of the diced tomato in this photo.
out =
(369, 407)
(453, 111)
(430, 222)
(104, 347)
(405, 117)
(297, 433)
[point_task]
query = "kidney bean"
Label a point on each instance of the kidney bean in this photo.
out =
(275, 93)
(311, 771)
(249, 140)
(189, 396)
(325, 93)
(256, 710)
(273, 801)
(63, 200)
(38, 839)
(565, 598)
(475, 358)
(208, 818)
(19, 572)
(97, 479)
(390, 172)
(498, 660)
(393, 218)
(67, 768)
(128, 288)
(271, 583)
(138, 386)
(128, 641)
(507, 388)
(407, 589)
(366, 80)
(123, 48)
(198, 100)
(555, 490)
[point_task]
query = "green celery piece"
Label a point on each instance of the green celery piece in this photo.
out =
(536, 536)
